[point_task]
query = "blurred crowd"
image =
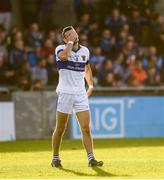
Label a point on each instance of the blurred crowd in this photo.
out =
(125, 38)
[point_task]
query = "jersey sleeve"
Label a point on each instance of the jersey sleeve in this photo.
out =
(58, 50)
(88, 55)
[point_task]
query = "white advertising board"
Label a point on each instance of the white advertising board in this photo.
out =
(7, 121)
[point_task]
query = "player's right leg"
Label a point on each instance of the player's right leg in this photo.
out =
(64, 108)
(61, 124)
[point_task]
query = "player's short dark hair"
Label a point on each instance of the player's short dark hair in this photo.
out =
(66, 29)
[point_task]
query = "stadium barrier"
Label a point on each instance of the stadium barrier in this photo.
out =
(35, 114)
(119, 117)
(115, 113)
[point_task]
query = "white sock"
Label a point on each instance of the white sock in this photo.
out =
(56, 157)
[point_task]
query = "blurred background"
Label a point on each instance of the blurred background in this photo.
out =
(126, 43)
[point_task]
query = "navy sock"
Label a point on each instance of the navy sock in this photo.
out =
(90, 156)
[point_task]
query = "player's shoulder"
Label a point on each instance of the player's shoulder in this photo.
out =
(59, 48)
(84, 48)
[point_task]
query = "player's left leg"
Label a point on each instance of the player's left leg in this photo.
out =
(84, 121)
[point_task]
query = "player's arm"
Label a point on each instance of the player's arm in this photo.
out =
(70, 38)
(63, 55)
(88, 77)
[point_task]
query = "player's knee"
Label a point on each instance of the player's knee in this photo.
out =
(85, 130)
(60, 131)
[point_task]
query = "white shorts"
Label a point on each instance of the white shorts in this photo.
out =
(66, 103)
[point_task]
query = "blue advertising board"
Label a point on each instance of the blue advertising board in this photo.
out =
(116, 117)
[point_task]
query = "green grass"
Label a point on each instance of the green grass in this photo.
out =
(123, 158)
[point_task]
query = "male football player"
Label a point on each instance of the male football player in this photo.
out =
(73, 65)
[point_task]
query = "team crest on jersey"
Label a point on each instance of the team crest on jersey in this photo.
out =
(83, 58)
(76, 57)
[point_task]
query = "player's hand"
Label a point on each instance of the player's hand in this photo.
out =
(72, 36)
(89, 91)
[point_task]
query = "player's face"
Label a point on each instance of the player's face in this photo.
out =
(71, 35)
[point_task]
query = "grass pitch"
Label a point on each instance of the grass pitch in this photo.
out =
(123, 158)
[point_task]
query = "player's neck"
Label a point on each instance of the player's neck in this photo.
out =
(75, 46)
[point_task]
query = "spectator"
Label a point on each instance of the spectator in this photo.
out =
(137, 22)
(10, 37)
(105, 75)
(34, 37)
(2, 70)
(158, 24)
(7, 74)
(138, 74)
(96, 59)
(108, 6)
(83, 39)
(115, 21)
(106, 42)
(47, 49)
(153, 56)
(52, 70)
(54, 35)
(129, 49)
(85, 21)
(133, 38)
(126, 28)
(23, 76)
(153, 76)
(120, 70)
(16, 36)
(121, 40)
(94, 34)
(159, 42)
(3, 49)
(5, 14)
(40, 73)
(110, 80)
(30, 55)
(2, 35)
(17, 54)
(38, 85)
(97, 56)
